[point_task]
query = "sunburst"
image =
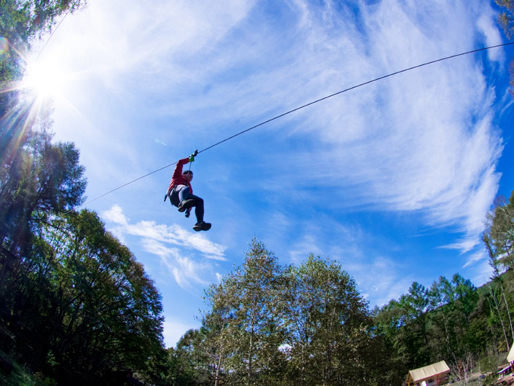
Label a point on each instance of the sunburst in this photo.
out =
(45, 79)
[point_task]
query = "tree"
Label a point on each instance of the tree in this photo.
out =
(218, 343)
(78, 305)
(498, 238)
(405, 324)
(188, 363)
(104, 313)
(269, 325)
(45, 180)
(499, 233)
(328, 326)
(441, 299)
(448, 322)
(245, 313)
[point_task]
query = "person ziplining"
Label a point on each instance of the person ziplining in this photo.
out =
(181, 194)
(184, 182)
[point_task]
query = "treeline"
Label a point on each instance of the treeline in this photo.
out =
(267, 324)
(452, 320)
(76, 308)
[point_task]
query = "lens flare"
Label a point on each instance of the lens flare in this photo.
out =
(46, 79)
(4, 45)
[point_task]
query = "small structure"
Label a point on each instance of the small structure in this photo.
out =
(504, 370)
(431, 375)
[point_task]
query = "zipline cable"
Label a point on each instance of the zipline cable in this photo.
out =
(52, 34)
(310, 104)
(130, 182)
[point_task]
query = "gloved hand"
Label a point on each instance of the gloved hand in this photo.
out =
(192, 156)
(188, 212)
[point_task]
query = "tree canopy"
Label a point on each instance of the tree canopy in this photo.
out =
(269, 324)
(76, 305)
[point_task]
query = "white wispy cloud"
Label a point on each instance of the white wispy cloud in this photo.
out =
(152, 39)
(115, 215)
(171, 234)
(304, 246)
(383, 280)
(476, 257)
(380, 276)
(488, 27)
(483, 272)
(185, 270)
(422, 141)
(175, 246)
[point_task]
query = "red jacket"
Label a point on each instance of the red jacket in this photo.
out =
(178, 178)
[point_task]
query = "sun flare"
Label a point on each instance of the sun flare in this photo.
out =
(44, 79)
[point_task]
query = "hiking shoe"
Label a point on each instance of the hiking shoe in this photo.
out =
(186, 204)
(202, 226)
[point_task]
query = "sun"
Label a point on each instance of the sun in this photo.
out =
(45, 79)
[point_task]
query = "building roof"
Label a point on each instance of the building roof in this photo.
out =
(429, 371)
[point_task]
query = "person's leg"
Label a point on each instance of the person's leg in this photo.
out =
(183, 194)
(199, 211)
(199, 208)
(186, 200)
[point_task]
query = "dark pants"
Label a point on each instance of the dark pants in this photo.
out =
(199, 209)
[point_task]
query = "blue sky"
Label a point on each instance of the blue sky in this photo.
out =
(393, 179)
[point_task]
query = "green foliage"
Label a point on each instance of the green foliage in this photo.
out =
(447, 322)
(328, 324)
(20, 376)
(107, 311)
(499, 235)
(506, 21)
(499, 241)
(243, 330)
(273, 325)
(44, 178)
(76, 304)
(81, 305)
(506, 17)
(22, 20)
(187, 364)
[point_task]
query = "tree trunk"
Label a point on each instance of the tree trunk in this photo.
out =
(250, 354)
(501, 319)
(217, 373)
(508, 311)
